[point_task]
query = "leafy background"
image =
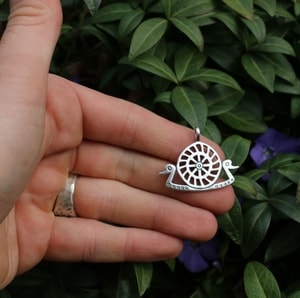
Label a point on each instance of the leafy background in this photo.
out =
(231, 68)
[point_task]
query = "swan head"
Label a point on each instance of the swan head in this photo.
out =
(228, 165)
(168, 169)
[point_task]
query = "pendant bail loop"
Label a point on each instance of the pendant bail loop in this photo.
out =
(197, 134)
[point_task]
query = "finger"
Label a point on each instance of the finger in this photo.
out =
(142, 171)
(117, 203)
(121, 123)
(77, 239)
(25, 53)
(24, 42)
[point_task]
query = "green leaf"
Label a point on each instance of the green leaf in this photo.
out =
(256, 223)
(260, 70)
(190, 104)
(283, 242)
(197, 294)
(240, 119)
(66, 30)
(252, 102)
(146, 35)
(110, 28)
(143, 273)
(190, 30)
(186, 59)
(236, 148)
(111, 12)
(159, 84)
(298, 192)
(275, 44)
(167, 6)
(153, 65)
(163, 97)
(247, 188)
(221, 99)
(212, 132)
(203, 20)
(286, 205)
(257, 26)
(255, 174)
(280, 161)
(93, 31)
(291, 171)
(130, 21)
(226, 56)
(196, 63)
(277, 183)
(294, 295)
(231, 223)
(260, 282)
(230, 21)
(297, 9)
(93, 5)
(268, 6)
(189, 8)
(295, 107)
(282, 67)
(171, 263)
(284, 87)
(213, 76)
(183, 57)
(281, 12)
(159, 50)
(244, 8)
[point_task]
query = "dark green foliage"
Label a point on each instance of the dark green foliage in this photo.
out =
(231, 68)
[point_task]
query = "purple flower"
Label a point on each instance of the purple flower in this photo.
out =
(197, 257)
(271, 143)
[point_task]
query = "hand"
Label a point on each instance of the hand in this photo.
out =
(51, 127)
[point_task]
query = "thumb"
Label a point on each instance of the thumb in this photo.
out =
(26, 49)
(30, 37)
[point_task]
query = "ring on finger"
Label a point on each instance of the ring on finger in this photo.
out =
(64, 204)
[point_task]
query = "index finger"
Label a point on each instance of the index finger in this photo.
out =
(118, 122)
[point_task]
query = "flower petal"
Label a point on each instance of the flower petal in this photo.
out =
(192, 259)
(257, 153)
(267, 138)
(210, 249)
(271, 143)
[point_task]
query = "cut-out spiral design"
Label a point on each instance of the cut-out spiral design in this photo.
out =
(199, 165)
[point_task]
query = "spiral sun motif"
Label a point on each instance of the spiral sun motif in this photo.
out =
(199, 165)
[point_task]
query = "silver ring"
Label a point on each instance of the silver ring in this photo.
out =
(64, 204)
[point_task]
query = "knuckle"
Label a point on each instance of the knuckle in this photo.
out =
(34, 13)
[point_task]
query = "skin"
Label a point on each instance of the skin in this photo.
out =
(50, 127)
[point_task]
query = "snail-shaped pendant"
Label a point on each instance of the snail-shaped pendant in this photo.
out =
(199, 166)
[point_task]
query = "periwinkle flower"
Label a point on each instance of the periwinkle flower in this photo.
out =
(271, 143)
(197, 257)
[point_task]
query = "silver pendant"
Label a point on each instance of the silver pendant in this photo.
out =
(199, 167)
